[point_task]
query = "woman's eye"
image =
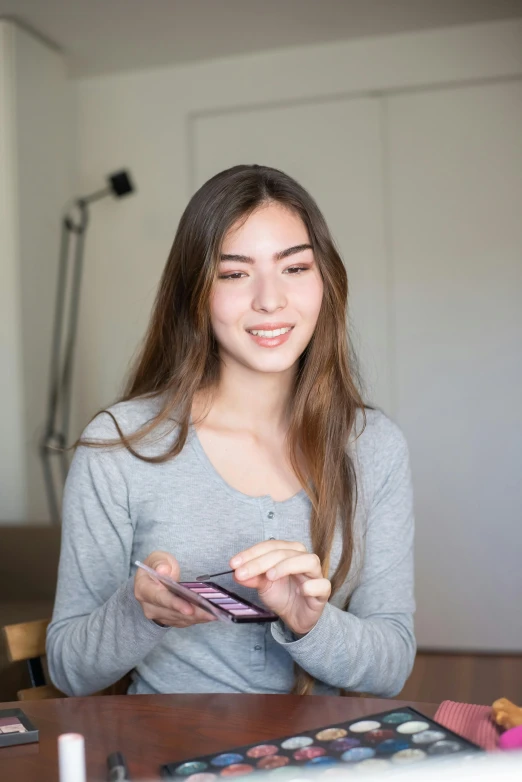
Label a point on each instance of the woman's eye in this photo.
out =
(231, 276)
(297, 269)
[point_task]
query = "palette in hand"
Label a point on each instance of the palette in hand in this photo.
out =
(224, 605)
(16, 728)
(381, 741)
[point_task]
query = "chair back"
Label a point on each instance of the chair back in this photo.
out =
(26, 641)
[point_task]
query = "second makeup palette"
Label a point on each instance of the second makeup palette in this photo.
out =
(236, 608)
(381, 741)
(224, 605)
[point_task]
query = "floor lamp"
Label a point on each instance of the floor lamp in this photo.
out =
(54, 440)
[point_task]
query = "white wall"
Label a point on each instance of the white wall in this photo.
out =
(37, 142)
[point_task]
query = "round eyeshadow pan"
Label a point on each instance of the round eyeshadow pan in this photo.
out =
(192, 767)
(273, 761)
(237, 770)
(410, 755)
(444, 748)
(357, 753)
(412, 727)
(329, 734)
(262, 750)
(428, 736)
(389, 746)
(397, 718)
(364, 725)
(201, 778)
(307, 753)
(376, 736)
(226, 759)
(296, 742)
(324, 760)
(341, 745)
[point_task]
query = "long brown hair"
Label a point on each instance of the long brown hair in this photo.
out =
(179, 355)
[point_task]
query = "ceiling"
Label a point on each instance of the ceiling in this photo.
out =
(104, 36)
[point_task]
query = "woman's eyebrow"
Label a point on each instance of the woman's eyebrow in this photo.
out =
(298, 248)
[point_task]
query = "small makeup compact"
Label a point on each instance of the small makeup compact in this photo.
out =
(378, 742)
(224, 605)
(16, 728)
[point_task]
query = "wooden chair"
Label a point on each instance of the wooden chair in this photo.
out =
(26, 641)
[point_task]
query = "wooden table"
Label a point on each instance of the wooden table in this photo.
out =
(155, 729)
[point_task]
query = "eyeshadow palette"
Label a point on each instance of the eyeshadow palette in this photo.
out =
(381, 741)
(16, 728)
(224, 605)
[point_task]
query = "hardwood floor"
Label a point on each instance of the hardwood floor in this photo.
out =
(469, 678)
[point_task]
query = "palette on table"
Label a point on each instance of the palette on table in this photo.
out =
(380, 741)
(16, 728)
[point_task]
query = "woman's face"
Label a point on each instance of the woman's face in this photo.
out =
(268, 291)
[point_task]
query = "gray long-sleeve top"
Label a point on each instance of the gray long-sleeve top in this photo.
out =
(118, 508)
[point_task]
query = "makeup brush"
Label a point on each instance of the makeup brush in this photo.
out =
(208, 576)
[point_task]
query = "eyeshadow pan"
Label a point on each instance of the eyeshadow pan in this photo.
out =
(296, 742)
(376, 736)
(273, 761)
(201, 590)
(341, 745)
(262, 750)
(364, 725)
(243, 612)
(192, 767)
(307, 753)
(397, 717)
(412, 727)
(389, 746)
(324, 760)
(227, 759)
(329, 734)
(237, 770)
(428, 736)
(13, 729)
(357, 753)
(9, 721)
(410, 755)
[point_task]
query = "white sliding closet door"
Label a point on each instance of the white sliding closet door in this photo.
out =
(456, 206)
(334, 149)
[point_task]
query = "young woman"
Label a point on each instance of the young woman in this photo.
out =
(241, 442)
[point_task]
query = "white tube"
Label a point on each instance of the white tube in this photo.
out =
(71, 757)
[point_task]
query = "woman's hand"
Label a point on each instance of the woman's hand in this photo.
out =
(157, 602)
(288, 579)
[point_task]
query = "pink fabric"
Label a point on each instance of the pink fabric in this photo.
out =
(470, 721)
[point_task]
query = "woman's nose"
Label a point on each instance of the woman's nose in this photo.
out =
(269, 294)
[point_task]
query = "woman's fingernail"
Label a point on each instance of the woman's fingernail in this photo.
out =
(241, 573)
(235, 561)
(271, 573)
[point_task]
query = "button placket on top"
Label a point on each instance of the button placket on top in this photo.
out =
(258, 635)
